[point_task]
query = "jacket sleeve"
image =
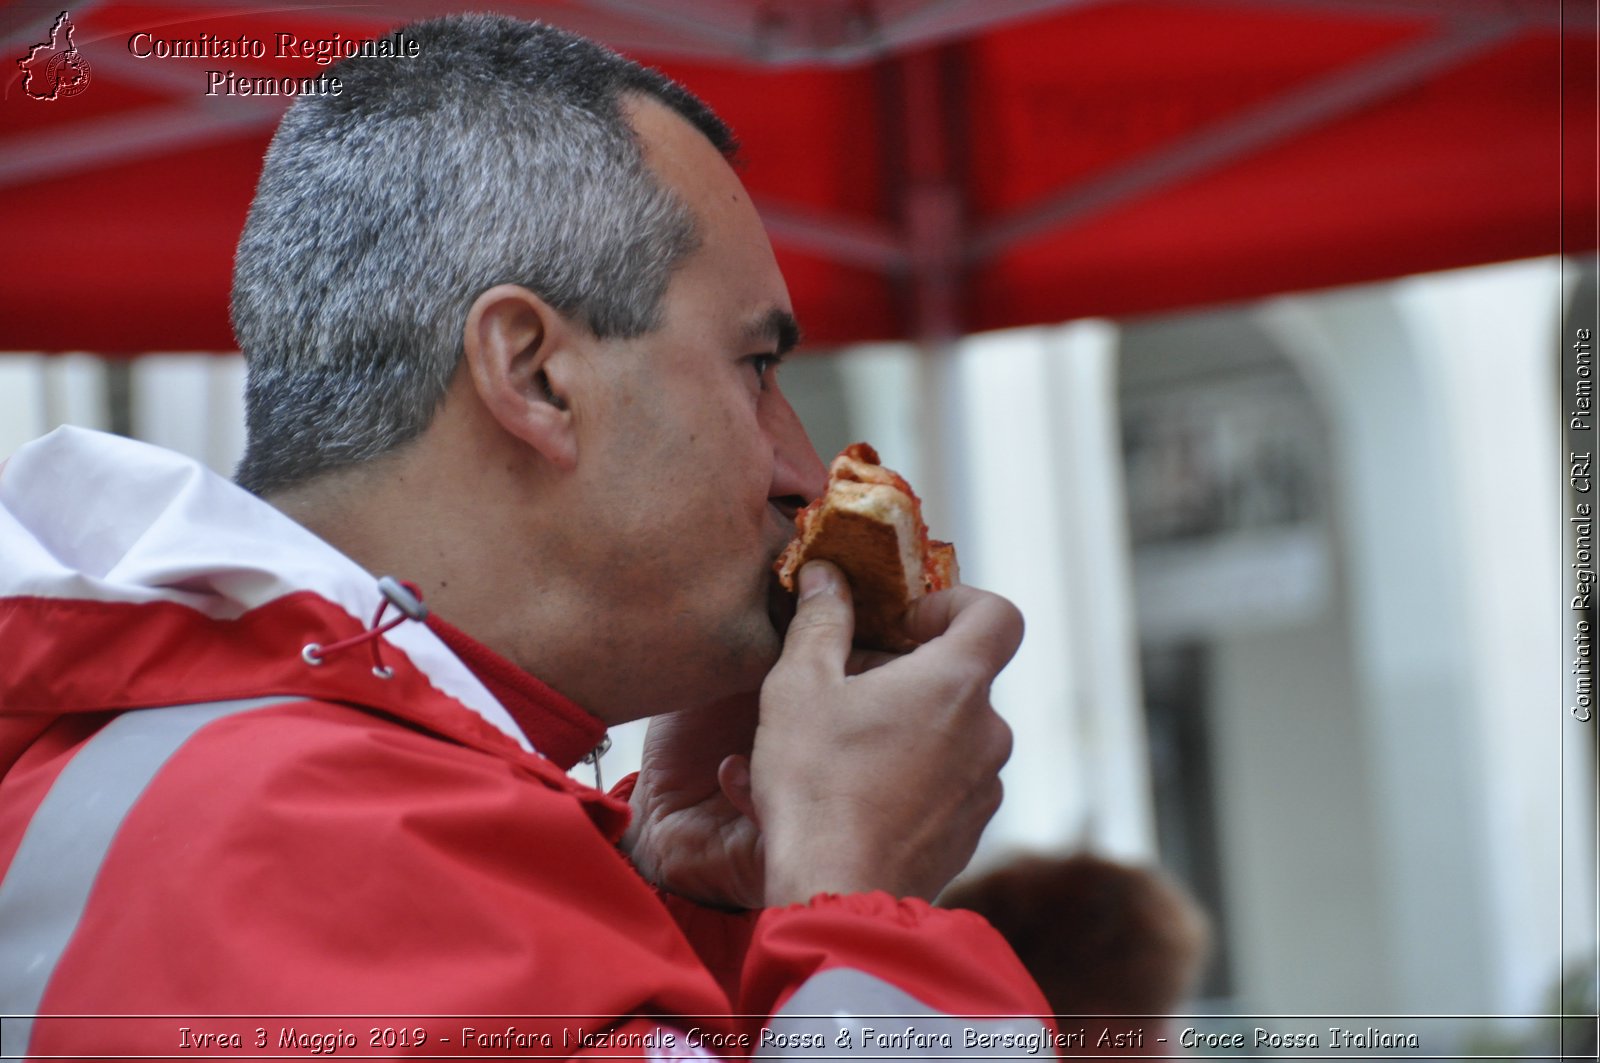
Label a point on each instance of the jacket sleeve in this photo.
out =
(865, 954)
(871, 975)
(893, 977)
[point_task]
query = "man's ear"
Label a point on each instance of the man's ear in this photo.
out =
(515, 344)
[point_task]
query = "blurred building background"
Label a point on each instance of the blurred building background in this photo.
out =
(1293, 578)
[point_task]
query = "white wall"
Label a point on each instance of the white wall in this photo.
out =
(39, 392)
(1045, 524)
(1441, 398)
(1487, 338)
(191, 403)
(1299, 829)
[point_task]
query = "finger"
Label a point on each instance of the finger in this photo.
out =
(733, 776)
(1001, 741)
(824, 622)
(985, 623)
(994, 797)
(861, 660)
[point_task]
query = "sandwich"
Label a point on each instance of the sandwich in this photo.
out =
(869, 523)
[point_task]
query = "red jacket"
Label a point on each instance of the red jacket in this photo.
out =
(197, 823)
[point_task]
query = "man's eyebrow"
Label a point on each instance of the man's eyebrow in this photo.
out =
(777, 327)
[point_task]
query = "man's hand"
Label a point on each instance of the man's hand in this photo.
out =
(686, 836)
(883, 779)
(869, 770)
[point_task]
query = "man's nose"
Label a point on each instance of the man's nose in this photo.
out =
(798, 474)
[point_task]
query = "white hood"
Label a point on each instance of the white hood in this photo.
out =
(86, 515)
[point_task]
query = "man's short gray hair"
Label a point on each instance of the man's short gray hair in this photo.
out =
(501, 154)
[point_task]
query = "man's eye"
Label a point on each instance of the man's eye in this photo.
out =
(766, 366)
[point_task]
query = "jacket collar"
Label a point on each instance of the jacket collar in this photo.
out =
(555, 724)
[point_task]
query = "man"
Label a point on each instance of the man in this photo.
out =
(513, 327)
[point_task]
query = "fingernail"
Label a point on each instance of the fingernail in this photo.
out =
(817, 579)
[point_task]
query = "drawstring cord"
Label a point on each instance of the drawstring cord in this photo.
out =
(593, 757)
(405, 596)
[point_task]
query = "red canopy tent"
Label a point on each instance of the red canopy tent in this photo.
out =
(926, 167)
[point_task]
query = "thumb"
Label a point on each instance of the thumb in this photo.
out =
(824, 621)
(733, 778)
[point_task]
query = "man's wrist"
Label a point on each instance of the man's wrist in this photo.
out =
(797, 875)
